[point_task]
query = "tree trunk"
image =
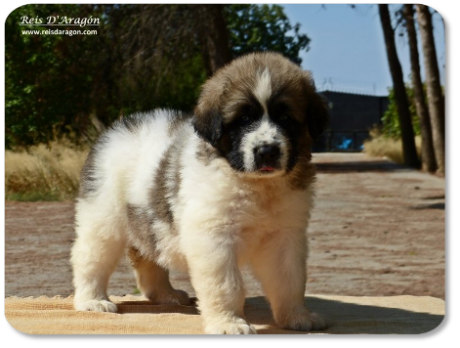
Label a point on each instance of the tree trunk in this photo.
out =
(428, 157)
(215, 41)
(407, 132)
(434, 91)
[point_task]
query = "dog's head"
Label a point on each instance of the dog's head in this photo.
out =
(261, 113)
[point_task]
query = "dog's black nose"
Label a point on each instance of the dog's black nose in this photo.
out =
(267, 154)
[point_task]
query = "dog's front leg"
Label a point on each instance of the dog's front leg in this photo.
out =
(280, 265)
(217, 280)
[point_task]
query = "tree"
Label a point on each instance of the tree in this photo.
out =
(143, 57)
(215, 39)
(262, 28)
(428, 157)
(407, 132)
(160, 36)
(434, 90)
(167, 34)
(48, 78)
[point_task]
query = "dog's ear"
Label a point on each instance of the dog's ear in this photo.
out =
(317, 108)
(208, 124)
(207, 118)
(317, 115)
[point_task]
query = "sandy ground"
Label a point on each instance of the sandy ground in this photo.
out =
(378, 229)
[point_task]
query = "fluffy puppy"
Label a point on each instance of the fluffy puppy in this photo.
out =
(230, 186)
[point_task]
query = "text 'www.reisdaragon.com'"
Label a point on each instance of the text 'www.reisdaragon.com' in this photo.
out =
(58, 32)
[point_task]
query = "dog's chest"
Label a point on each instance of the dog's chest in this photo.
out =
(268, 207)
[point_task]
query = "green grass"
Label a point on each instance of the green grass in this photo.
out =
(33, 196)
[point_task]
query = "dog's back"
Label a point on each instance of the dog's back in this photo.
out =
(133, 146)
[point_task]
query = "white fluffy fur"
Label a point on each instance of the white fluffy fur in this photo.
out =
(263, 88)
(224, 220)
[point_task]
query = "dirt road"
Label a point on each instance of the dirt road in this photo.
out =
(378, 229)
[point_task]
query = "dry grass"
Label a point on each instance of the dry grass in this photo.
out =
(380, 146)
(52, 173)
(44, 173)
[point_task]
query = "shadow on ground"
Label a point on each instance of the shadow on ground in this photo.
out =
(358, 167)
(441, 206)
(341, 317)
(349, 318)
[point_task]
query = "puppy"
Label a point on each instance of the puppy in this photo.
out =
(230, 186)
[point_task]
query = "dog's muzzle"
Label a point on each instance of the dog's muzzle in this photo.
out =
(267, 157)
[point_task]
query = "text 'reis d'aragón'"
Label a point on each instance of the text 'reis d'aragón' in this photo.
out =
(61, 20)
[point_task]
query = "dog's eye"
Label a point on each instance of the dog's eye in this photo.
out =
(245, 118)
(284, 118)
(281, 111)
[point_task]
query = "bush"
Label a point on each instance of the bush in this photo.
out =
(390, 119)
(380, 145)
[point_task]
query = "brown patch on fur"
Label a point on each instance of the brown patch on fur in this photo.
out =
(87, 175)
(177, 178)
(232, 86)
(167, 184)
(140, 220)
(174, 124)
(206, 153)
(317, 116)
(134, 257)
(158, 196)
(131, 122)
(303, 175)
(304, 172)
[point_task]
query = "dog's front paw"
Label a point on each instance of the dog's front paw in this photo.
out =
(302, 320)
(95, 306)
(234, 326)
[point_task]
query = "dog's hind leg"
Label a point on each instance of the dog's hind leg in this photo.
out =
(99, 245)
(153, 281)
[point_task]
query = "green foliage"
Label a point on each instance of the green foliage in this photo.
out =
(48, 77)
(176, 88)
(56, 84)
(264, 28)
(390, 119)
